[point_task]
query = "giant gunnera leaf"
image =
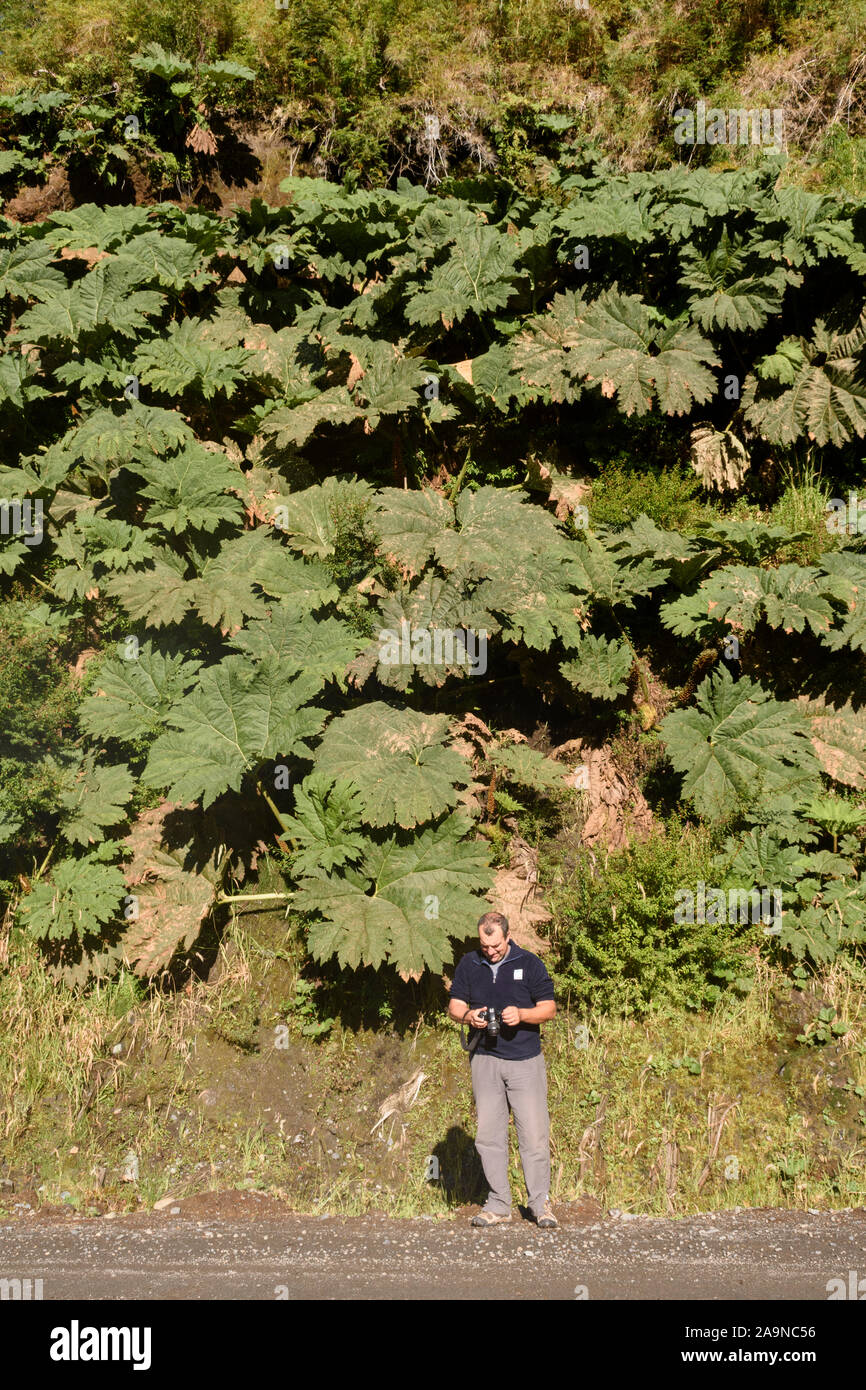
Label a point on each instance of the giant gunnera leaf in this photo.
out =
(230, 723)
(135, 691)
(77, 901)
(324, 829)
(735, 744)
(398, 760)
(402, 902)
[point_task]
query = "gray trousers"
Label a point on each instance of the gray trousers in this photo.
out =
(522, 1086)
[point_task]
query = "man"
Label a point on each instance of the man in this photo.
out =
(508, 1070)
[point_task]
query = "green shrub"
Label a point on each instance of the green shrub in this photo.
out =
(38, 700)
(668, 495)
(619, 946)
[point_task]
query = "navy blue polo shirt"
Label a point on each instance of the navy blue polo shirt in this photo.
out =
(521, 980)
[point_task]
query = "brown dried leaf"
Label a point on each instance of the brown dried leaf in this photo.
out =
(82, 661)
(465, 369)
(839, 740)
(90, 254)
(719, 458)
(172, 902)
(522, 905)
(202, 141)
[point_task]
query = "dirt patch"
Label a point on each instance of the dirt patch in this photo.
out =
(233, 1205)
(35, 202)
(30, 1205)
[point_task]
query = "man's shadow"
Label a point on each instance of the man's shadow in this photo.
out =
(458, 1174)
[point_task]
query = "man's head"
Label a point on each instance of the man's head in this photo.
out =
(493, 936)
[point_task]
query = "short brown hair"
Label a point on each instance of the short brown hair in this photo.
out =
(491, 920)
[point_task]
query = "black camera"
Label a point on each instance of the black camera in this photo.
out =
(493, 1021)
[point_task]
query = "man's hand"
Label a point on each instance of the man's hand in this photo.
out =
(511, 1016)
(460, 1011)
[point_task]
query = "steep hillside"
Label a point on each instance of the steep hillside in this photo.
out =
(348, 87)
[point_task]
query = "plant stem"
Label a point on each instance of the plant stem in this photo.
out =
(458, 481)
(637, 661)
(252, 897)
(282, 844)
(45, 862)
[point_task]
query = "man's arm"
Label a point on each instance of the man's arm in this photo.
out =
(458, 1010)
(539, 1013)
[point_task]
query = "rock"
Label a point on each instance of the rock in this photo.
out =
(130, 1168)
(163, 1203)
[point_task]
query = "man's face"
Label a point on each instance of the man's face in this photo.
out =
(493, 946)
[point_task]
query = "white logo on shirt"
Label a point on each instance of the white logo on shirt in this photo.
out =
(518, 974)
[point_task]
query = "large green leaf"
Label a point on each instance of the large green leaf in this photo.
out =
(106, 228)
(732, 288)
(846, 579)
(434, 631)
(26, 273)
(94, 545)
(410, 523)
(158, 595)
(185, 490)
(325, 826)
(134, 693)
(297, 642)
(398, 760)
(186, 359)
(307, 517)
(736, 744)
(600, 668)
(228, 724)
(171, 261)
(826, 396)
(92, 797)
(525, 766)
(77, 901)
(791, 597)
(103, 300)
(404, 901)
(626, 347)
(479, 275)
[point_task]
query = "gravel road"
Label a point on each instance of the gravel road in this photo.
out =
(207, 1248)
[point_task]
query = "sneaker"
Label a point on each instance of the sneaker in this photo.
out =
(545, 1218)
(489, 1218)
